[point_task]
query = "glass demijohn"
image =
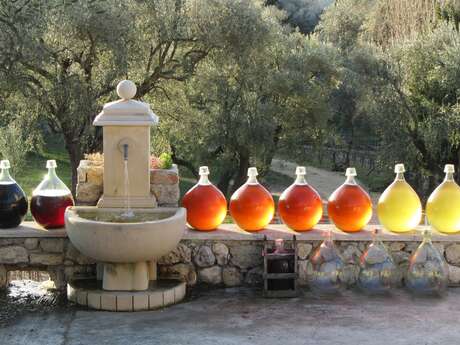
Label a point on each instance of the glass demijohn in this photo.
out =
(300, 206)
(252, 206)
(378, 272)
(349, 206)
(399, 208)
(206, 205)
(443, 205)
(428, 271)
(13, 200)
(327, 267)
(50, 199)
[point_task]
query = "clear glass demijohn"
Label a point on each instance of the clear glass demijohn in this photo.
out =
(428, 271)
(378, 272)
(327, 266)
(50, 199)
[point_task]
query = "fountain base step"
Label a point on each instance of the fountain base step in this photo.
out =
(161, 293)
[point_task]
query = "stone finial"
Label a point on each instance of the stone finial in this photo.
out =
(126, 89)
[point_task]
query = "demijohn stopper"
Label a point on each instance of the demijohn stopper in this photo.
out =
(5, 164)
(400, 169)
(351, 172)
(449, 168)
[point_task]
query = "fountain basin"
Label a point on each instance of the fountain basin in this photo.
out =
(103, 234)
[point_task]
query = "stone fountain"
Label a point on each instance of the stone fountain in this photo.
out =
(126, 232)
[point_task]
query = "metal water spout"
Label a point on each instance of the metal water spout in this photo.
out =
(125, 152)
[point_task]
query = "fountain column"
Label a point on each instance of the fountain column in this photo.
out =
(126, 124)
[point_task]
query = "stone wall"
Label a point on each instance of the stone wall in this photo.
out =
(220, 258)
(164, 184)
(236, 263)
(57, 256)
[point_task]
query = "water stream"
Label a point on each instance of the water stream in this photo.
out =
(128, 213)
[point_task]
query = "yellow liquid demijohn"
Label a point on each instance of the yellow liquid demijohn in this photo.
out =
(399, 208)
(443, 205)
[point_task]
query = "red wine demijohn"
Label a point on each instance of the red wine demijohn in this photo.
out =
(13, 200)
(50, 199)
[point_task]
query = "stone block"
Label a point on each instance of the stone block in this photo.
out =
(141, 301)
(181, 253)
(453, 253)
(13, 255)
(95, 175)
(88, 193)
(179, 292)
(75, 256)
(221, 253)
(454, 275)
(52, 245)
(156, 300)
(166, 194)
(46, 259)
(94, 300)
(82, 297)
(210, 275)
(396, 246)
(303, 250)
(81, 174)
(184, 272)
(31, 243)
(162, 176)
(246, 255)
(168, 297)
(124, 302)
(109, 301)
(231, 276)
(204, 257)
(254, 277)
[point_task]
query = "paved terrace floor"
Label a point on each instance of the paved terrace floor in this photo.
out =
(241, 316)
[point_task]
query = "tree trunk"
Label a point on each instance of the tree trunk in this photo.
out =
(183, 162)
(242, 173)
(224, 181)
(74, 150)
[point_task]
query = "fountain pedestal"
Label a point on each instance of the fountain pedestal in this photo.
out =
(129, 277)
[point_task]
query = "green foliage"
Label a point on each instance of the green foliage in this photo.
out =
(166, 161)
(398, 94)
(251, 96)
(65, 58)
(16, 137)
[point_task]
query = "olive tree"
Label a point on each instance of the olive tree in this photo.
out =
(266, 87)
(64, 58)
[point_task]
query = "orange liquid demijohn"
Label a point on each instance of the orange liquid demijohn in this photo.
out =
(350, 207)
(252, 206)
(206, 205)
(300, 206)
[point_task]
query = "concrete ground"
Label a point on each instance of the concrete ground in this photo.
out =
(240, 316)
